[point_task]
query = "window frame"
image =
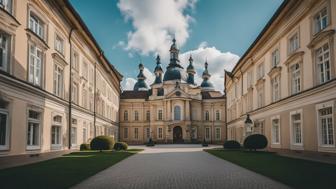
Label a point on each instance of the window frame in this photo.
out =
(319, 22)
(292, 129)
(6, 60)
(273, 91)
(207, 133)
(160, 115)
(8, 7)
(58, 88)
(136, 133)
(59, 125)
(61, 43)
(7, 134)
(35, 57)
(206, 115)
(329, 104)
(30, 146)
(160, 133)
(38, 26)
(218, 133)
(273, 139)
(323, 63)
(125, 115)
(136, 115)
(275, 57)
(293, 80)
(294, 49)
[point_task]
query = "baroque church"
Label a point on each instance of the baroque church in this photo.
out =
(174, 109)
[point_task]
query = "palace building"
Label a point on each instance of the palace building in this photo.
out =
(57, 89)
(286, 81)
(174, 109)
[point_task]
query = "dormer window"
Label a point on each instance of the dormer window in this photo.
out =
(321, 20)
(6, 5)
(36, 25)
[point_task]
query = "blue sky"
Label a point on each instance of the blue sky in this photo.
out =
(217, 30)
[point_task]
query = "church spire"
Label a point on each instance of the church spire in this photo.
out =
(190, 71)
(206, 84)
(141, 85)
(158, 71)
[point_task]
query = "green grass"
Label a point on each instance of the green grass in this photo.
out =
(296, 173)
(62, 172)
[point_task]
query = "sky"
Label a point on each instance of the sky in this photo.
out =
(134, 31)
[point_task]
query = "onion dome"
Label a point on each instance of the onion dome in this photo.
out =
(206, 84)
(158, 71)
(190, 71)
(141, 85)
(174, 69)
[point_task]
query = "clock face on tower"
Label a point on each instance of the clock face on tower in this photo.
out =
(178, 93)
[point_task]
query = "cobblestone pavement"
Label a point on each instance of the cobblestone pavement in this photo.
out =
(177, 166)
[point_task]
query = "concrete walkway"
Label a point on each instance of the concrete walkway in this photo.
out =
(177, 166)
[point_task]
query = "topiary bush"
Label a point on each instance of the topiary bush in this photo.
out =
(120, 146)
(102, 143)
(150, 142)
(84, 147)
(231, 144)
(204, 143)
(255, 141)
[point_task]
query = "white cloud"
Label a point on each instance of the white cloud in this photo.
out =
(128, 83)
(217, 60)
(155, 23)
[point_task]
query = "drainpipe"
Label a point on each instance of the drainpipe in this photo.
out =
(225, 108)
(70, 89)
(94, 99)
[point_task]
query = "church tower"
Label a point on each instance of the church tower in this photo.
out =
(206, 85)
(174, 69)
(158, 71)
(191, 71)
(141, 85)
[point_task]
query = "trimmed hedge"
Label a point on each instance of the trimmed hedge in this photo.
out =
(255, 141)
(102, 143)
(84, 147)
(120, 146)
(231, 144)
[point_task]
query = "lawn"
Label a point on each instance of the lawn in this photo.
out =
(62, 172)
(296, 173)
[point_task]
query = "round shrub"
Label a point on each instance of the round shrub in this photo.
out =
(255, 141)
(102, 143)
(231, 144)
(120, 146)
(84, 147)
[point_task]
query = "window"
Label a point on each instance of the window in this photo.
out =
(33, 134)
(160, 133)
(207, 133)
(125, 115)
(58, 80)
(160, 115)
(35, 65)
(74, 94)
(293, 43)
(218, 133)
(260, 95)
(321, 20)
(7, 5)
(275, 88)
(148, 115)
(275, 58)
(326, 126)
(56, 131)
(275, 131)
(217, 115)
(250, 101)
(260, 71)
(73, 136)
(147, 132)
(323, 63)
(85, 70)
(59, 44)
(84, 98)
(136, 133)
(84, 134)
(177, 113)
(136, 116)
(236, 90)
(4, 128)
(296, 129)
(91, 100)
(75, 61)
(207, 116)
(125, 132)
(259, 127)
(4, 51)
(249, 79)
(36, 25)
(295, 78)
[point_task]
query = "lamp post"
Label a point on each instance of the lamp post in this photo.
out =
(248, 126)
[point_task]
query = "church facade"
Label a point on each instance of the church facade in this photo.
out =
(174, 109)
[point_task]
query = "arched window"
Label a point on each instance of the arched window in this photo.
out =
(177, 113)
(125, 115)
(207, 115)
(136, 115)
(217, 115)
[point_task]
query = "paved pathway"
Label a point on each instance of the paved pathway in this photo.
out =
(177, 166)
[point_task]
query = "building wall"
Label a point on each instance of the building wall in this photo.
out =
(295, 18)
(95, 105)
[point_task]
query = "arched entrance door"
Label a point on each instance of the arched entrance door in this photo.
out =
(177, 135)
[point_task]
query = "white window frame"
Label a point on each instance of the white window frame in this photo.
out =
(329, 104)
(293, 43)
(292, 131)
(59, 125)
(85, 135)
(218, 133)
(74, 136)
(38, 121)
(7, 5)
(6, 146)
(318, 20)
(323, 76)
(59, 44)
(35, 68)
(75, 60)
(58, 80)
(36, 25)
(74, 94)
(177, 115)
(261, 95)
(6, 50)
(136, 133)
(273, 139)
(207, 115)
(295, 78)
(276, 94)
(207, 133)
(260, 70)
(160, 115)
(136, 115)
(218, 115)
(275, 57)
